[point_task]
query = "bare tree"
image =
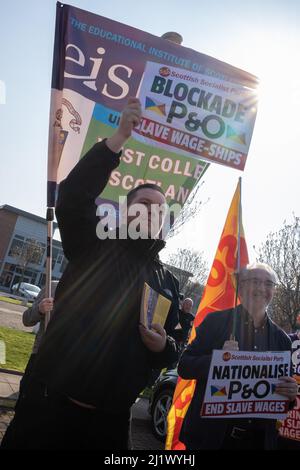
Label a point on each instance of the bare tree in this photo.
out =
(194, 290)
(191, 271)
(281, 251)
(30, 252)
(191, 208)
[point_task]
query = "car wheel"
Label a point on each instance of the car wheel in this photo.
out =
(160, 410)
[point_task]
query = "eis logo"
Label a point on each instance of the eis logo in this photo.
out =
(164, 71)
(226, 356)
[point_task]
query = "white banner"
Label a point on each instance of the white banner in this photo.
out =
(190, 114)
(241, 384)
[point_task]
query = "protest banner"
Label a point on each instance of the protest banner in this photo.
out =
(191, 115)
(196, 109)
(241, 384)
(98, 64)
(290, 427)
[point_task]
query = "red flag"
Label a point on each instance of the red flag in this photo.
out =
(219, 294)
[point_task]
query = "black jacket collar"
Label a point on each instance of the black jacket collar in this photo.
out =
(145, 248)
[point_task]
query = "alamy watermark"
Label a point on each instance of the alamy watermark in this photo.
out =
(139, 220)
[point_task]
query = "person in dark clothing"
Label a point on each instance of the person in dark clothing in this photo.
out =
(95, 357)
(254, 331)
(186, 319)
(35, 316)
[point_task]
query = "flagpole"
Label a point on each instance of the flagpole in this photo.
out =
(49, 218)
(216, 294)
(238, 263)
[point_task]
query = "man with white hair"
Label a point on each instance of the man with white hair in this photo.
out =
(252, 330)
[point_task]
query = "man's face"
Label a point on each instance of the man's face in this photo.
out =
(187, 306)
(256, 289)
(148, 206)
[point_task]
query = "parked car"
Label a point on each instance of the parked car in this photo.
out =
(160, 402)
(29, 291)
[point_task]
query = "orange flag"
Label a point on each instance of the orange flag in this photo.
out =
(219, 294)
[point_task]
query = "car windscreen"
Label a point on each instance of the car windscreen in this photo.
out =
(31, 287)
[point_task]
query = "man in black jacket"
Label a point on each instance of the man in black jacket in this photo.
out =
(95, 357)
(254, 331)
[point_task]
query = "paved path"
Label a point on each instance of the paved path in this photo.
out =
(6, 416)
(11, 316)
(141, 433)
(9, 387)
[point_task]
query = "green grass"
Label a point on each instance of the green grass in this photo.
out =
(13, 301)
(18, 346)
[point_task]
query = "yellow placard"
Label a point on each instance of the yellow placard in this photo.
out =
(154, 307)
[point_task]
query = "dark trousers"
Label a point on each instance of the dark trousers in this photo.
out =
(27, 373)
(50, 421)
(251, 439)
(288, 444)
(25, 379)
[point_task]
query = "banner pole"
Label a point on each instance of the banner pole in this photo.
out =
(49, 218)
(238, 263)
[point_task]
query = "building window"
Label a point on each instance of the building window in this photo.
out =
(57, 256)
(13, 273)
(36, 249)
(27, 252)
(6, 278)
(60, 258)
(63, 265)
(9, 267)
(42, 281)
(16, 248)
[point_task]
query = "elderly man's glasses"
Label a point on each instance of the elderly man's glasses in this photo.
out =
(258, 282)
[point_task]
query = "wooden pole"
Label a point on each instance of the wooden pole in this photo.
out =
(49, 218)
(238, 263)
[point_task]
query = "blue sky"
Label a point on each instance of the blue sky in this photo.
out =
(261, 37)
